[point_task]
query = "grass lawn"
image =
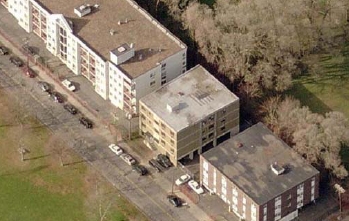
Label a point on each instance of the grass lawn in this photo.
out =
(40, 189)
(328, 88)
(208, 2)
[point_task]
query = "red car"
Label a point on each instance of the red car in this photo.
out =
(29, 72)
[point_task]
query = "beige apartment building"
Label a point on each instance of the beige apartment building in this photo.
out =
(188, 115)
(116, 45)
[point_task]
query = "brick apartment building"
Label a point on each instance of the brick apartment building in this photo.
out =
(123, 51)
(189, 115)
(259, 176)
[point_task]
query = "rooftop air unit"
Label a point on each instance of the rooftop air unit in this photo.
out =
(121, 54)
(83, 10)
(277, 169)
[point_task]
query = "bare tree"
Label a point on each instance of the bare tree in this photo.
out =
(58, 146)
(319, 139)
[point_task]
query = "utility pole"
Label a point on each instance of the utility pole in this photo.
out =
(339, 189)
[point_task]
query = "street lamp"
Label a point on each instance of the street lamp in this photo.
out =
(129, 117)
(340, 191)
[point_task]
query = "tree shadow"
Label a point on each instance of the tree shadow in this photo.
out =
(30, 171)
(38, 157)
(307, 98)
(74, 163)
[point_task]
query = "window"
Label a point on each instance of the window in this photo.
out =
(172, 134)
(152, 83)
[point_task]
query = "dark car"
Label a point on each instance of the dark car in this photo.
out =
(16, 61)
(174, 200)
(57, 97)
(86, 122)
(28, 49)
(156, 165)
(140, 169)
(70, 108)
(44, 86)
(4, 50)
(164, 160)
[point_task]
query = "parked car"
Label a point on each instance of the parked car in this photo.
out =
(69, 85)
(16, 61)
(140, 169)
(70, 108)
(86, 122)
(4, 50)
(164, 160)
(196, 187)
(128, 159)
(57, 97)
(116, 149)
(174, 200)
(182, 180)
(28, 49)
(29, 72)
(44, 86)
(156, 165)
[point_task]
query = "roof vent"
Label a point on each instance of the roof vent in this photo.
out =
(112, 31)
(132, 45)
(83, 10)
(140, 57)
(239, 145)
(277, 169)
(180, 94)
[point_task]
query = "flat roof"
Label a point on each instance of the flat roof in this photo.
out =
(94, 30)
(196, 93)
(248, 166)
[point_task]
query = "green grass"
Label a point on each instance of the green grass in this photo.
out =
(327, 88)
(208, 2)
(40, 189)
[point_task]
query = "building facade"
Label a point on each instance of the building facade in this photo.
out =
(189, 115)
(259, 176)
(85, 35)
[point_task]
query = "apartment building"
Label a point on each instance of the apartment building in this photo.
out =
(259, 176)
(123, 51)
(189, 115)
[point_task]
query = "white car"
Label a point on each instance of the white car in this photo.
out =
(128, 159)
(69, 85)
(116, 149)
(183, 179)
(195, 186)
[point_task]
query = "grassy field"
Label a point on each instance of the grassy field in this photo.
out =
(40, 189)
(328, 87)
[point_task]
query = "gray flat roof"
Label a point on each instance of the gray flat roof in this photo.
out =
(249, 166)
(94, 30)
(197, 93)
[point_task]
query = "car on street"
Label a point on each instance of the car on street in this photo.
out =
(70, 108)
(156, 165)
(174, 200)
(140, 169)
(16, 61)
(29, 49)
(128, 159)
(44, 86)
(116, 149)
(29, 72)
(86, 122)
(57, 97)
(4, 50)
(182, 180)
(164, 160)
(195, 186)
(69, 85)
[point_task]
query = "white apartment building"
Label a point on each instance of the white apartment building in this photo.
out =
(123, 51)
